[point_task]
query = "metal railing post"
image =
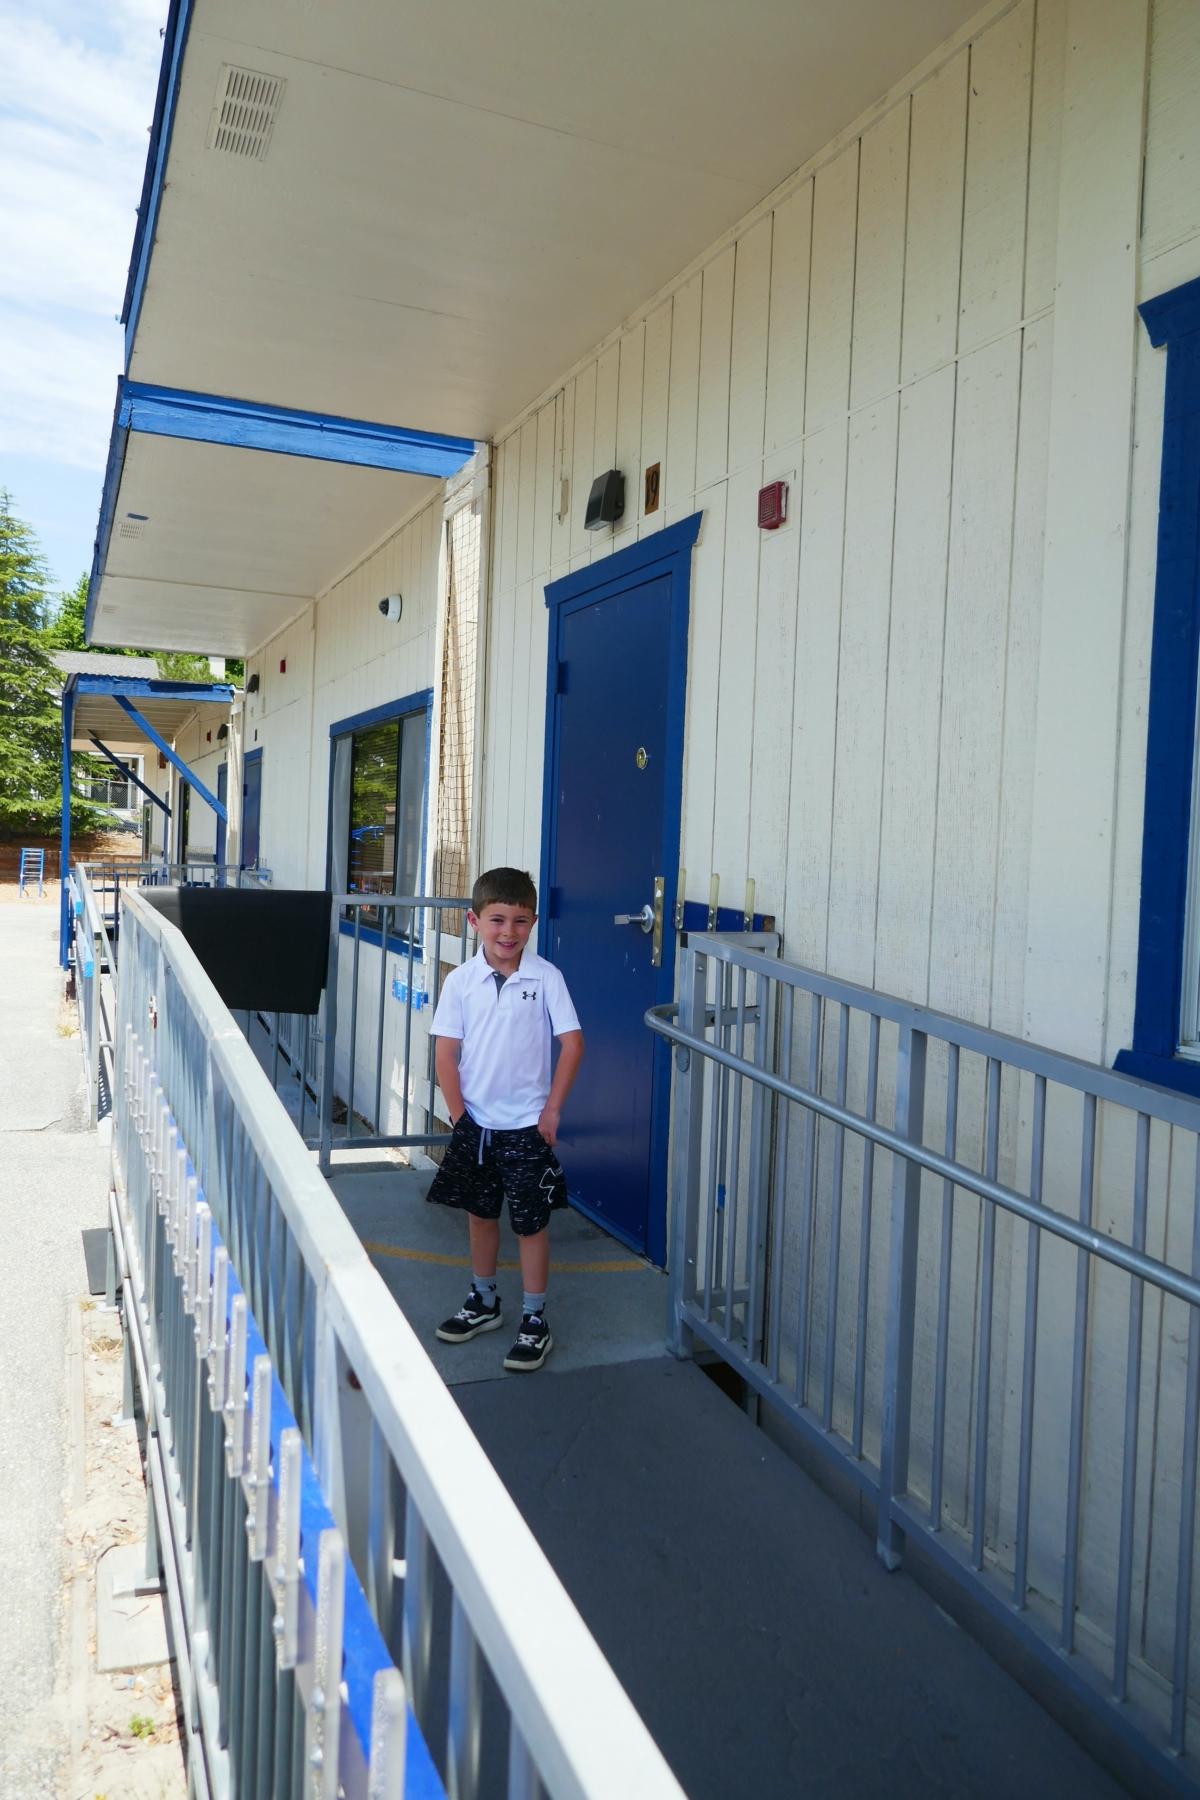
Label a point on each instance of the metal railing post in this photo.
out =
(902, 1288)
(325, 1152)
(686, 1157)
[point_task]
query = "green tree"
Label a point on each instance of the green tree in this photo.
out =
(30, 718)
(65, 631)
(64, 628)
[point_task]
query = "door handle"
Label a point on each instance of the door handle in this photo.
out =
(650, 919)
(645, 918)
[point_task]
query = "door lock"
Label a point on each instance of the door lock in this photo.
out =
(650, 919)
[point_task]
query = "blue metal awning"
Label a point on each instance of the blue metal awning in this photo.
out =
(131, 708)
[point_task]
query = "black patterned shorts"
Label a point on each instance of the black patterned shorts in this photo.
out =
(482, 1169)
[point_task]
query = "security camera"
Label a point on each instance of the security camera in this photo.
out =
(391, 606)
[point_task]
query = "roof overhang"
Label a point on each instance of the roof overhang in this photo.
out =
(221, 520)
(423, 214)
(456, 200)
(95, 708)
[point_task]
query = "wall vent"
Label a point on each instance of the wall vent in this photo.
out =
(131, 528)
(244, 112)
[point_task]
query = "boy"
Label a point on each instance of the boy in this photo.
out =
(493, 1025)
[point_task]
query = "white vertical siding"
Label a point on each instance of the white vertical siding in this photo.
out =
(868, 338)
(916, 714)
(342, 658)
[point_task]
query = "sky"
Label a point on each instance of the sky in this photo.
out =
(77, 87)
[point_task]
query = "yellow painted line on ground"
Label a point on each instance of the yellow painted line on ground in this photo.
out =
(445, 1261)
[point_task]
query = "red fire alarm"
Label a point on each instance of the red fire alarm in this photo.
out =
(772, 506)
(283, 665)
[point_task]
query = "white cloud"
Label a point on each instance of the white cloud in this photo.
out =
(77, 85)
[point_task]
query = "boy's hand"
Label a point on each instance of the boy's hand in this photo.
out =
(548, 1124)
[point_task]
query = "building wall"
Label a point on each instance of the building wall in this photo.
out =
(342, 658)
(916, 715)
(204, 756)
(863, 694)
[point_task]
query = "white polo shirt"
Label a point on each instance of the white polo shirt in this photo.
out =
(504, 1067)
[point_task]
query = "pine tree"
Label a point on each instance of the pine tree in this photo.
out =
(64, 629)
(29, 715)
(30, 710)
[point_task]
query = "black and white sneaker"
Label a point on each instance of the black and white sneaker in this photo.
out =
(472, 1317)
(533, 1345)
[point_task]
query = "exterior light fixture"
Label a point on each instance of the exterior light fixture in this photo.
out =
(606, 502)
(252, 683)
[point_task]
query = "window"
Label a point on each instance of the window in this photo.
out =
(377, 800)
(1166, 1027)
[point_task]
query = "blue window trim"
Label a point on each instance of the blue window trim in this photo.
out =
(1172, 319)
(667, 552)
(420, 701)
(379, 715)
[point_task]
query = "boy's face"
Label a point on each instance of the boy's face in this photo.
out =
(503, 933)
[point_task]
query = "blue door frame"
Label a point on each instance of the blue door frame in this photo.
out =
(668, 554)
(222, 796)
(251, 777)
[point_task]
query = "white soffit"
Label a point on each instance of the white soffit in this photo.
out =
(100, 713)
(457, 199)
(234, 542)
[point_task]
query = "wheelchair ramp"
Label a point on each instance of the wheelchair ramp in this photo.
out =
(745, 1612)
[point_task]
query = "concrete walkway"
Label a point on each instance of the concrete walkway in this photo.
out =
(746, 1614)
(744, 1611)
(53, 1184)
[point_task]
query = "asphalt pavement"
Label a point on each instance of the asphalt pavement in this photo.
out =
(53, 1184)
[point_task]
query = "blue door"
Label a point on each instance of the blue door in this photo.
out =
(251, 804)
(614, 767)
(222, 796)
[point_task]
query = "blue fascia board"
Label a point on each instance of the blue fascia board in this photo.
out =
(113, 470)
(251, 425)
(140, 687)
(175, 35)
(379, 715)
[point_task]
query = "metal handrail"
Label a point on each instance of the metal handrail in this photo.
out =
(396, 1460)
(825, 1285)
(1133, 1262)
(93, 963)
(404, 933)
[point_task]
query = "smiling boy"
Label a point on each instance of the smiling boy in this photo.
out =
(493, 1026)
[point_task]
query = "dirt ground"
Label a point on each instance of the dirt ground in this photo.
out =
(116, 846)
(124, 1732)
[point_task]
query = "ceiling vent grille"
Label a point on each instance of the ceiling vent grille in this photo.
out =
(130, 528)
(244, 112)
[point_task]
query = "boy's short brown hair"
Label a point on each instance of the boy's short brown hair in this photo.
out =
(503, 887)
